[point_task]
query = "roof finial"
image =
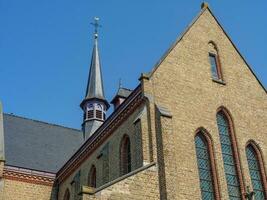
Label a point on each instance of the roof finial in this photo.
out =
(204, 5)
(96, 25)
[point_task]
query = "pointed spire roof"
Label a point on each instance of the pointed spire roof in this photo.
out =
(95, 88)
(95, 83)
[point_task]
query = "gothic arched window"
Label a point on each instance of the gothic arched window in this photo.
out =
(256, 170)
(206, 166)
(125, 155)
(66, 195)
(92, 177)
(216, 71)
(230, 156)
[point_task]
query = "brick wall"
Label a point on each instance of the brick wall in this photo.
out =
(142, 185)
(183, 84)
(132, 126)
(16, 190)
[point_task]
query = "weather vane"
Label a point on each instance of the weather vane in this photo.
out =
(96, 25)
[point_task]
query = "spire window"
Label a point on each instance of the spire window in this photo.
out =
(99, 111)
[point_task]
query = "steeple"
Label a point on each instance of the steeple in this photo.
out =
(94, 104)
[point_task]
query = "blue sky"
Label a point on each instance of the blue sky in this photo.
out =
(45, 47)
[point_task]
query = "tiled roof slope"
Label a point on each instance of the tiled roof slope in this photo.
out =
(38, 145)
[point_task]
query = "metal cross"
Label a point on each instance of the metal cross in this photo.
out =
(249, 194)
(96, 25)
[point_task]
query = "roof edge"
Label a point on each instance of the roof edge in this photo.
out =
(204, 7)
(100, 130)
(38, 121)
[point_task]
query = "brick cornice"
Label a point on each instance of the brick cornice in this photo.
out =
(28, 176)
(100, 136)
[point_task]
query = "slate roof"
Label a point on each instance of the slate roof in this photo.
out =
(122, 92)
(38, 145)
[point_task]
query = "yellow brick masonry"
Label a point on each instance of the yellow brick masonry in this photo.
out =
(179, 97)
(17, 190)
(182, 83)
(139, 186)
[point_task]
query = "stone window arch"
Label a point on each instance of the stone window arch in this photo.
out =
(206, 165)
(256, 170)
(231, 161)
(125, 155)
(92, 177)
(215, 63)
(67, 195)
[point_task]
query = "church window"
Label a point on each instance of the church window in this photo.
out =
(228, 154)
(67, 195)
(92, 177)
(76, 184)
(125, 155)
(214, 62)
(256, 171)
(214, 66)
(105, 163)
(205, 169)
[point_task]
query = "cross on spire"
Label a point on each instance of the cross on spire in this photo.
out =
(96, 25)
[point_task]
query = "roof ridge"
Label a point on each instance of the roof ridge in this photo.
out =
(39, 121)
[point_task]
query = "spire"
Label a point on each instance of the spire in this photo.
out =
(94, 104)
(95, 88)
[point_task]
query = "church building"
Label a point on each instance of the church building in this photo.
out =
(195, 127)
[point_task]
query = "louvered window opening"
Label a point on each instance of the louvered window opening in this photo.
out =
(230, 171)
(90, 114)
(204, 168)
(99, 114)
(255, 173)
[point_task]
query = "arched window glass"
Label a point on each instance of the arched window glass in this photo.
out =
(204, 167)
(214, 61)
(67, 195)
(125, 155)
(229, 159)
(92, 177)
(255, 173)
